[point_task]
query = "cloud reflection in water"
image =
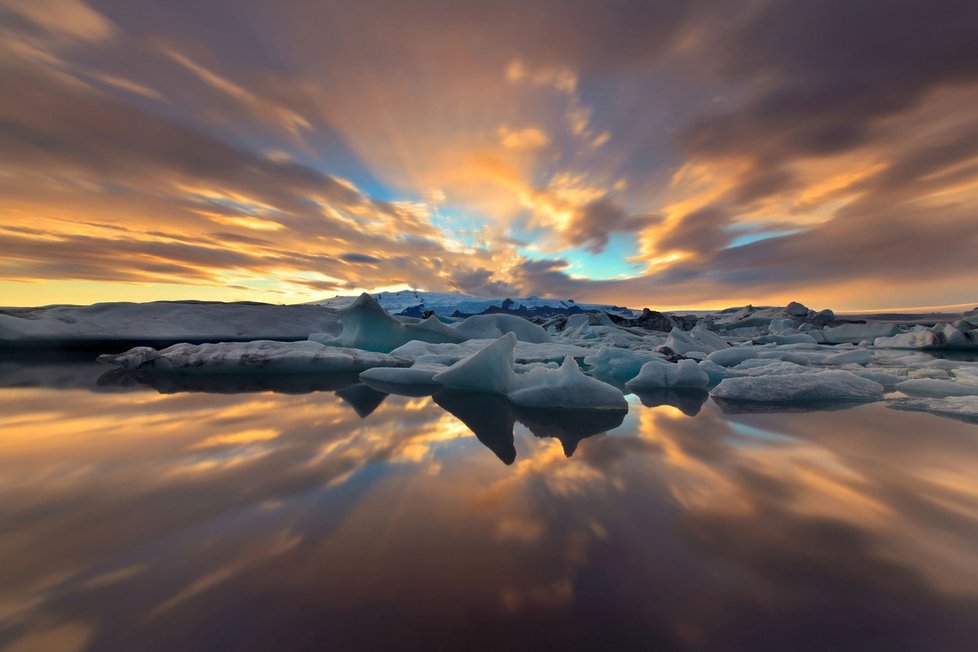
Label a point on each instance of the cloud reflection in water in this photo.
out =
(247, 520)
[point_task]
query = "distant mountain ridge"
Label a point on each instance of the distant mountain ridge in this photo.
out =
(414, 303)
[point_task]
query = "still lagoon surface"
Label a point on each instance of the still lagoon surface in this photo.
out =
(256, 514)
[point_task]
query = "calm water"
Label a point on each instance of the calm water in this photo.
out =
(156, 518)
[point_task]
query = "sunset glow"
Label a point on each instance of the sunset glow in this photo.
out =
(668, 154)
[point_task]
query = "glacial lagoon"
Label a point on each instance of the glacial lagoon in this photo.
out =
(316, 512)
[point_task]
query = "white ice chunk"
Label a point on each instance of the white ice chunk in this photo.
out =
(936, 388)
(928, 372)
(762, 367)
(853, 333)
(250, 357)
(492, 370)
(734, 355)
(886, 380)
(944, 336)
(366, 325)
(659, 373)
(566, 387)
(856, 356)
(616, 363)
(484, 327)
(696, 339)
(784, 326)
(419, 374)
(526, 352)
(797, 338)
(715, 372)
(488, 370)
(829, 385)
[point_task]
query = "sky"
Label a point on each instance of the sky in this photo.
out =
(662, 153)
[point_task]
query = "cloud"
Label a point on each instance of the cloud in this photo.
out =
(420, 144)
(528, 138)
(592, 224)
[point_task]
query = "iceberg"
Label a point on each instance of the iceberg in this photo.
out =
(856, 356)
(618, 364)
(936, 388)
(525, 352)
(492, 370)
(696, 339)
(565, 387)
(832, 385)
(657, 374)
(855, 333)
(366, 325)
(418, 374)
(734, 355)
(485, 327)
(488, 370)
(263, 356)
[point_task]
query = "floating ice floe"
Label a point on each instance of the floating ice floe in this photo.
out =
(565, 387)
(249, 357)
(492, 370)
(831, 385)
(658, 374)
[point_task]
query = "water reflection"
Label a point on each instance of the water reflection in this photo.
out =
(350, 519)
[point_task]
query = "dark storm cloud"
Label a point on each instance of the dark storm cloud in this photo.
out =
(825, 73)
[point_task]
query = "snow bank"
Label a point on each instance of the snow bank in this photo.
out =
(249, 357)
(160, 323)
(833, 385)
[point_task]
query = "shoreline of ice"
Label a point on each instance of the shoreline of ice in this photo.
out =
(762, 356)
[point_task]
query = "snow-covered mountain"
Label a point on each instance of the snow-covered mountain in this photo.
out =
(416, 303)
